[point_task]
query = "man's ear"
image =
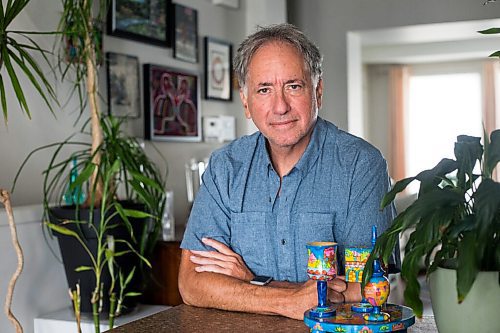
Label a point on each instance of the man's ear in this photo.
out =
(244, 101)
(319, 93)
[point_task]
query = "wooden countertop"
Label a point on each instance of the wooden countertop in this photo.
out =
(184, 318)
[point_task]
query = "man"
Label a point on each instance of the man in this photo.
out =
(264, 196)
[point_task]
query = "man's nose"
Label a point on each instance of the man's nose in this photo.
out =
(281, 102)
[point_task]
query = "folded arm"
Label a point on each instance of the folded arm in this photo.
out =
(215, 279)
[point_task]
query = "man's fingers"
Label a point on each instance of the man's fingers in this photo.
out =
(211, 268)
(337, 285)
(214, 255)
(336, 297)
(222, 248)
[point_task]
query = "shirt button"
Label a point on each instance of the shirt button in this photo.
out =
(283, 241)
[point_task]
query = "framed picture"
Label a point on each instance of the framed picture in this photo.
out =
(145, 21)
(185, 33)
(123, 85)
(218, 69)
(171, 104)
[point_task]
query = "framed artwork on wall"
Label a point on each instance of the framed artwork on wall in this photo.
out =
(185, 43)
(123, 85)
(171, 104)
(144, 21)
(218, 69)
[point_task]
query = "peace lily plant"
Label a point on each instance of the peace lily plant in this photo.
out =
(453, 223)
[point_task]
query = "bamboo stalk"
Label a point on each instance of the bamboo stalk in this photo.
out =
(5, 200)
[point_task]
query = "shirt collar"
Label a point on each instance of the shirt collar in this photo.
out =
(313, 149)
(311, 153)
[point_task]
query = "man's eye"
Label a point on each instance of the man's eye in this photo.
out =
(294, 86)
(263, 90)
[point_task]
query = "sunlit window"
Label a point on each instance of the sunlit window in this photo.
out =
(440, 107)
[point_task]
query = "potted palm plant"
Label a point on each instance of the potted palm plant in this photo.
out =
(454, 225)
(106, 197)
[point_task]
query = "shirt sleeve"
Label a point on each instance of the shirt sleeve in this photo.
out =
(368, 184)
(210, 214)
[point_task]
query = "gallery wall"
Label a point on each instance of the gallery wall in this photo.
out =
(42, 287)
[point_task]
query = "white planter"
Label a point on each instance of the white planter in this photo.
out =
(479, 312)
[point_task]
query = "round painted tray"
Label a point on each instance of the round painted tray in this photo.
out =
(347, 321)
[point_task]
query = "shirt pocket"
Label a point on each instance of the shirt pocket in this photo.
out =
(249, 238)
(312, 227)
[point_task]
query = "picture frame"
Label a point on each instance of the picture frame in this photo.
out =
(218, 69)
(185, 34)
(144, 21)
(123, 85)
(171, 104)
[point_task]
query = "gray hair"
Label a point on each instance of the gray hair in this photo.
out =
(286, 33)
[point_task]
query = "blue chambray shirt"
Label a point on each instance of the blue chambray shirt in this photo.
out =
(332, 194)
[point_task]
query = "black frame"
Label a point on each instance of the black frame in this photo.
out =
(185, 25)
(218, 56)
(165, 98)
(123, 73)
(114, 29)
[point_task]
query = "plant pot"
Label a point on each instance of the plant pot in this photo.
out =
(74, 255)
(479, 312)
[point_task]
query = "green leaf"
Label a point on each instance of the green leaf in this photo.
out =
(62, 230)
(129, 276)
(133, 293)
(495, 54)
(83, 177)
(487, 206)
(4, 100)
(490, 31)
(136, 213)
(468, 150)
(431, 178)
(467, 265)
(397, 188)
(83, 268)
(492, 151)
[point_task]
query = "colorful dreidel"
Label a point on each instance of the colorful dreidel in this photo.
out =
(377, 290)
(355, 260)
(322, 267)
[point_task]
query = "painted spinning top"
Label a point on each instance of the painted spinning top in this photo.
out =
(377, 290)
(322, 267)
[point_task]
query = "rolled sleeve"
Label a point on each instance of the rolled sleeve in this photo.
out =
(209, 216)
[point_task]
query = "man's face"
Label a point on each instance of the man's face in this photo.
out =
(281, 99)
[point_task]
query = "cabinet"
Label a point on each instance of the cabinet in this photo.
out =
(166, 260)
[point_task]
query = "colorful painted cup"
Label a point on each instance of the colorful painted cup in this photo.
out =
(322, 260)
(355, 261)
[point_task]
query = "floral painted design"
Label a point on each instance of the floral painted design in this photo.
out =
(365, 329)
(317, 327)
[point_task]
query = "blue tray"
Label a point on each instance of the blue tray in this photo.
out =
(347, 321)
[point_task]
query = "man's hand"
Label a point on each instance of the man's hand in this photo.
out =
(223, 261)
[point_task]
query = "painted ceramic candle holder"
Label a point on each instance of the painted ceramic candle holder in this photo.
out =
(322, 267)
(355, 261)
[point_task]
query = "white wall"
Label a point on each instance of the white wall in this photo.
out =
(327, 22)
(41, 287)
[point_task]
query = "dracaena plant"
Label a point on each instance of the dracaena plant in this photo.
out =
(454, 221)
(17, 59)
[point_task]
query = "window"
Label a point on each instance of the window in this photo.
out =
(440, 107)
